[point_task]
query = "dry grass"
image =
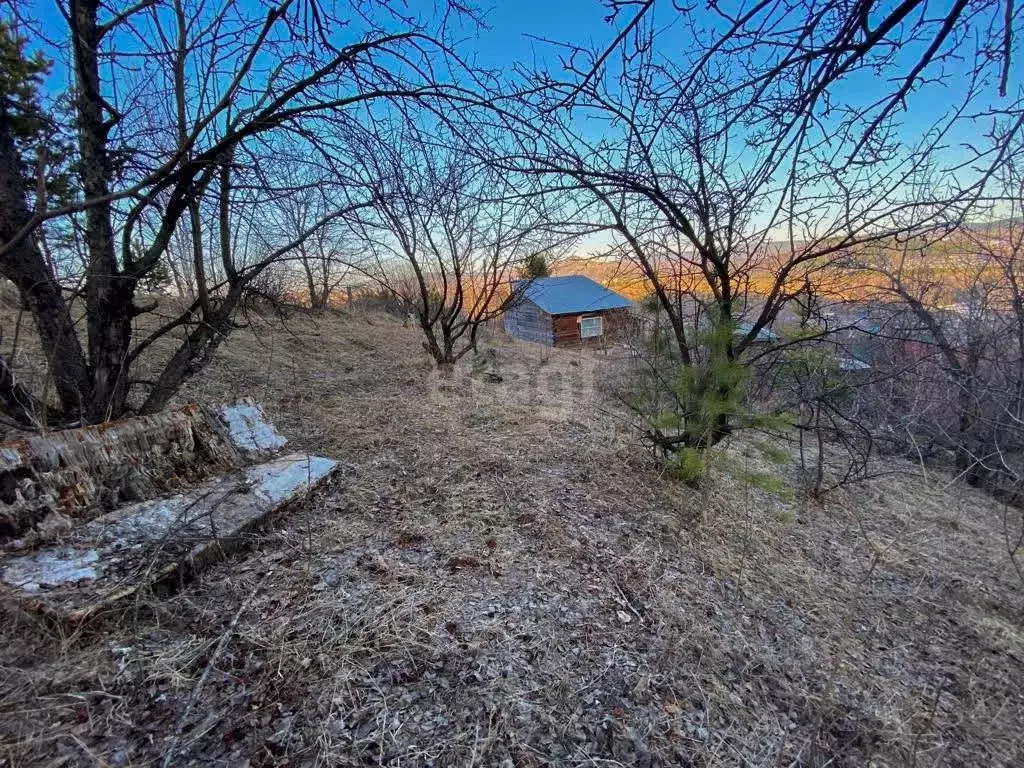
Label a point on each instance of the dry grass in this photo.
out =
(499, 576)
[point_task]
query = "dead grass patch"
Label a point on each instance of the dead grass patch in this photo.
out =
(499, 576)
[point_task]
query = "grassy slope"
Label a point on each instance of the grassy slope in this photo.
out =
(499, 575)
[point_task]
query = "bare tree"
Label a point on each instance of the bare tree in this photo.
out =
(217, 88)
(958, 290)
(448, 233)
(323, 261)
(732, 170)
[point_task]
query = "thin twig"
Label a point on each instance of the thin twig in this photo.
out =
(169, 756)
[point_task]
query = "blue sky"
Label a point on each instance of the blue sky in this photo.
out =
(581, 21)
(506, 42)
(513, 24)
(515, 33)
(513, 29)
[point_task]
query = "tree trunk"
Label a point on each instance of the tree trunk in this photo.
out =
(198, 266)
(431, 345)
(193, 354)
(25, 266)
(966, 458)
(109, 294)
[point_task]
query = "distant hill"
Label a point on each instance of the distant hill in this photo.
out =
(951, 260)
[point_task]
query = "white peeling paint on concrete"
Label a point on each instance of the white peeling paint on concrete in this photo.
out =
(249, 429)
(143, 523)
(278, 480)
(52, 568)
(129, 544)
(11, 457)
(197, 513)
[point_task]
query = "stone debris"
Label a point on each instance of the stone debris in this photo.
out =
(51, 568)
(249, 429)
(111, 557)
(82, 473)
(104, 558)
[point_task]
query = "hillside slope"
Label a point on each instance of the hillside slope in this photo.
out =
(500, 576)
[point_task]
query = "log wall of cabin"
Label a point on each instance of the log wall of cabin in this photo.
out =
(526, 321)
(567, 328)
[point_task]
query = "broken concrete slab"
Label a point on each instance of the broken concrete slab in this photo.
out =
(52, 568)
(249, 429)
(180, 494)
(79, 474)
(114, 556)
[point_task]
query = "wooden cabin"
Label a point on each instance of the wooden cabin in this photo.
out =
(566, 311)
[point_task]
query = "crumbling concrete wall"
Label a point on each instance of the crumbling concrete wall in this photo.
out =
(102, 563)
(46, 481)
(174, 527)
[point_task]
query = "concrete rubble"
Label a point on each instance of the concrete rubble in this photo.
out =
(99, 561)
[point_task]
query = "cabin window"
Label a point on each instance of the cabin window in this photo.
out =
(590, 327)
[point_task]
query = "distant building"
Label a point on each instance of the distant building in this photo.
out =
(852, 365)
(567, 311)
(764, 335)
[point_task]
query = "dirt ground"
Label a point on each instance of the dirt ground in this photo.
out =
(500, 575)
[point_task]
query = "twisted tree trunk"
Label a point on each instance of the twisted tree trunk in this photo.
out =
(109, 293)
(25, 265)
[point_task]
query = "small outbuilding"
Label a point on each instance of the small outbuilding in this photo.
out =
(566, 311)
(764, 335)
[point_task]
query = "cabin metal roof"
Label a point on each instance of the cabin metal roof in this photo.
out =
(568, 294)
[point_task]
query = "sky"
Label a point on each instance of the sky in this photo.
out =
(583, 21)
(516, 30)
(506, 41)
(514, 25)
